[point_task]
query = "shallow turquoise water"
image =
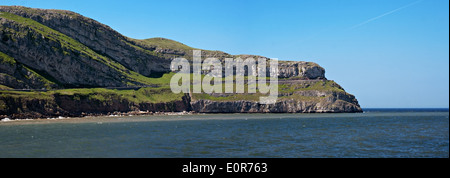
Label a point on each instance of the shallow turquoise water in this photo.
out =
(370, 134)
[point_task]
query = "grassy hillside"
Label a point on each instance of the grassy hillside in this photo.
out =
(63, 44)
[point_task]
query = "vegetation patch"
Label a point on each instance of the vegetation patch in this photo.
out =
(5, 59)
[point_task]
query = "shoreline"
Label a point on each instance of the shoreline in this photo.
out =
(177, 116)
(6, 118)
(127, 116)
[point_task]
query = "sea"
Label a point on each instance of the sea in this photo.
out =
(375, 133)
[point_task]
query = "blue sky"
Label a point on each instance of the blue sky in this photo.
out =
(387, 53)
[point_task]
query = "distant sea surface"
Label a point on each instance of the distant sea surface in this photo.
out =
(376, 133)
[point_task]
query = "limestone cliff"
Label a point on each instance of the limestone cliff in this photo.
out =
(76, 51)
(295, 96)
(68, 57)
(96, 36)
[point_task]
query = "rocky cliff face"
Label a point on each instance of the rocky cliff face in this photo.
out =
(52, 54)
(319, 96)
(55, 105)
(302, 70)
(96, 36)
(283, 106)
(57, 49)
(76, 51)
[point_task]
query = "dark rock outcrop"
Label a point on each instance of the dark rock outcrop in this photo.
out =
(77, 106)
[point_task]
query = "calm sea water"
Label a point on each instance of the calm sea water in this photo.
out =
(375, 133)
